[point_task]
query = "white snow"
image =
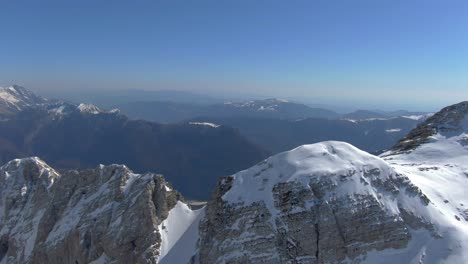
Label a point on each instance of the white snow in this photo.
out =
(204, 124)
(179, 234)
(72, 215)
(31, 238)
(58, 110)
(89, 108)
(24, 190)
(419, 117)
(422, 249)
(438, 168)
(15, 99)
(12, 89)
(393, 130)
(6, 96)
(325, 159)
(128, 184)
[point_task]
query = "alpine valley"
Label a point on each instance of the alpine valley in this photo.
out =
(327, 202)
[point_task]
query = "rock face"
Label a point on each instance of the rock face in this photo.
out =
(322, 203)
(449, 121)
(102, 215)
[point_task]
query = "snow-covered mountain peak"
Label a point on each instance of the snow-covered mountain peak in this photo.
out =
(332, 161)
(276, 100)
(331, 203)
(27, 172)
(15, 98)
(450, 118)
(104, 215)
(89, 109)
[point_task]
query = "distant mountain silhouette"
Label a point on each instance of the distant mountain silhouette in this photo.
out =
(280, 135)
(170, 112)
(191, 156)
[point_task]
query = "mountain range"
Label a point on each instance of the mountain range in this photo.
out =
(170, 112)
(277, 135)
(68, 135)
(191, 156)
(327, 202)
(278, 125)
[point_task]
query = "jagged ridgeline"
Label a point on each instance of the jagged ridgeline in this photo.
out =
(103, 215)
(322, 203)
(67, 136)
(327, 202)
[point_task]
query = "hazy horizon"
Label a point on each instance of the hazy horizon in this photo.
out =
(361, 54)
(86, 96)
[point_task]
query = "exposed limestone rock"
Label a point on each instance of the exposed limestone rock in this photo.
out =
(314, 217)
(446, 121)
(107, 214)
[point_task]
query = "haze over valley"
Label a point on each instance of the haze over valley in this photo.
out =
(225, 132)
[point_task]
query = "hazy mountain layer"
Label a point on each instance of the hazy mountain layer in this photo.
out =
(374, 135)
(191, 156)
(327, 202)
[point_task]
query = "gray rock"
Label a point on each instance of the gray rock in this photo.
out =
(107, 213)
(316, 222)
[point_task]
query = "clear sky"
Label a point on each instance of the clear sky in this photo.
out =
(390, 53)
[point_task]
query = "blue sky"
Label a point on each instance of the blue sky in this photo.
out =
(411, 54)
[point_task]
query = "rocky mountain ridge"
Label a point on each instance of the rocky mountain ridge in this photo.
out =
(322, 203)
(327, 202)
(451, 120)
(103, 215)
(82, 136)
(16, 98)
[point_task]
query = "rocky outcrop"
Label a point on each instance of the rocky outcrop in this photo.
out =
(450, 119)
(102, 215)
(321, 203)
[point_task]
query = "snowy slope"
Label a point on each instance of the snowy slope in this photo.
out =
(179, 234)
(324, 159)
(103, 215)
(15, 98)
(422, 194)
(438, 165)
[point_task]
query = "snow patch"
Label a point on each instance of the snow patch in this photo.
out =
(419, 117)
(29, 245)
(179, 234)
(204, 124)
(393, 130)
(128, 184)
(58, 110)
(8, 97)
(89, 108)
(24, 190)
(325, 159)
